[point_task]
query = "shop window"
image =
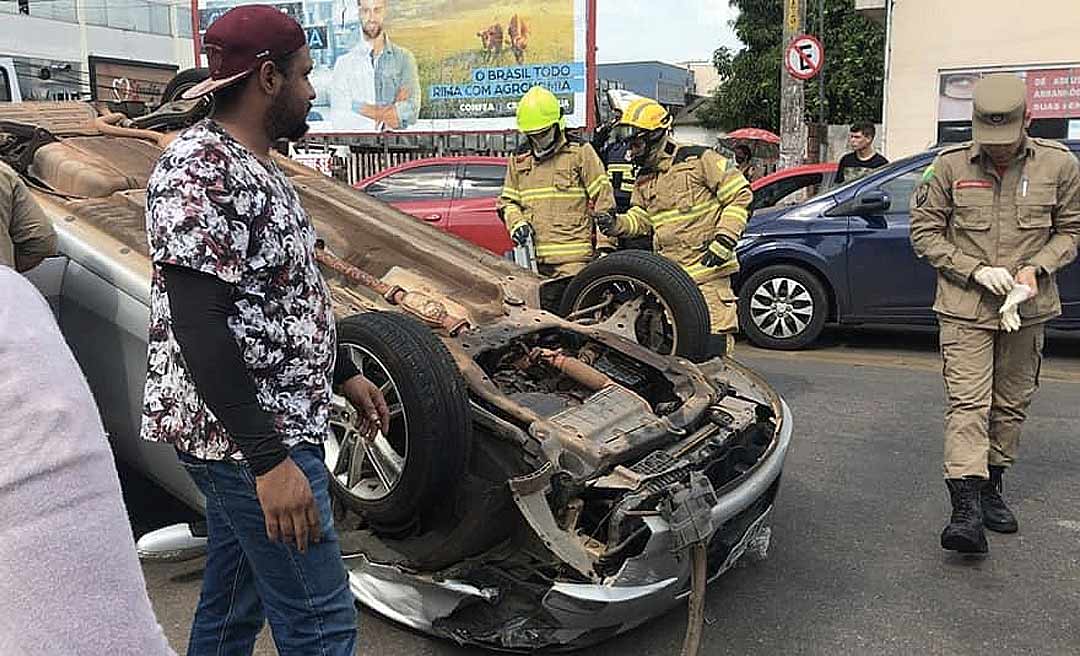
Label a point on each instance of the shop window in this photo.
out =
(61, 10)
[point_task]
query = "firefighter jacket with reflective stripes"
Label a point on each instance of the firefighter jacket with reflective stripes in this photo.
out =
(621, 173)
(688, 198)
(558, 197)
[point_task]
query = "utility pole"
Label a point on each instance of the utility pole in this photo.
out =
(823, 140)
(792, 103)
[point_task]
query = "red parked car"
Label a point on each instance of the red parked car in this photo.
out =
(458, 194)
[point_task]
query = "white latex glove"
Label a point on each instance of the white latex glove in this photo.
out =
(997, 279)
(1010, 309)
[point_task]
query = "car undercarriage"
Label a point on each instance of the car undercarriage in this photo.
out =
(544, 481)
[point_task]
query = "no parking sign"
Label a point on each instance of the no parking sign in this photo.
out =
(804, 57)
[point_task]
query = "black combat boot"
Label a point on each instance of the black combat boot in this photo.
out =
(965, 530)
(996, 515)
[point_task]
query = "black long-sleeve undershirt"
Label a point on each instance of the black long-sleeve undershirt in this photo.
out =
(200, 306)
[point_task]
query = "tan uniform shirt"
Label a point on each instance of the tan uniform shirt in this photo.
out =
(693, 195)
(558, 197)
(965, 216)
(25, 231)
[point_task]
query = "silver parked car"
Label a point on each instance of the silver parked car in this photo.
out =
(544, 478)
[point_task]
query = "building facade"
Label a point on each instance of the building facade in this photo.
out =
(110, 50)
(706, 77)
(932, 65)
(668, 84)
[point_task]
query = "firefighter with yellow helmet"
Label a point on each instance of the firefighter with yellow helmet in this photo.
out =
(694, 203)
(555, 186)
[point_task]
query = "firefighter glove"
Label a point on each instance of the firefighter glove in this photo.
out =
(1010, 309)
(719, 251)
(522, 234)
(605, 223)
(996, 279)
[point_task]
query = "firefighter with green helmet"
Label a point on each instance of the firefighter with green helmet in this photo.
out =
(555, 186)
(694, 203)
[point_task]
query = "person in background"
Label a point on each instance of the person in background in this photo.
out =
(70, 580)
(863, 158)
(241, 351)
(26, 235)
(997, 218)
(744, 161)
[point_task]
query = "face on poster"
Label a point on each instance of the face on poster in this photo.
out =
(436, 65)
(1052, 93)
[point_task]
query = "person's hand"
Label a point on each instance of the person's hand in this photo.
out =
(1010, 309)
(402, 94)
(369, 403)
(1028, 276)
(996, 279)
(288, 506)
(606, 223)
(522, 234)
(390, 117)
(719, 251)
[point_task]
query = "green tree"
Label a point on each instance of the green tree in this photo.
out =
(750, 93)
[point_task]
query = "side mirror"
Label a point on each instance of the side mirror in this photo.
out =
(871, 202)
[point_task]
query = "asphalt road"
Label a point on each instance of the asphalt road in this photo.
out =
(855, 565)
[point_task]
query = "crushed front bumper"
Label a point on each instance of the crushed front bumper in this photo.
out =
(575, 615)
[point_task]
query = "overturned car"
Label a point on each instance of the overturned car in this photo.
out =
(560, 452)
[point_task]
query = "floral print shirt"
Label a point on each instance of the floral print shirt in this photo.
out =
(213, 207)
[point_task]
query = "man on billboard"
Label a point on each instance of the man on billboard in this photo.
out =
(376, 85)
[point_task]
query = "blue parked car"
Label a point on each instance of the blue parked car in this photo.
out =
(844, 257)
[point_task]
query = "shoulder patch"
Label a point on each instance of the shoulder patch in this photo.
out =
(928, 174)
(687, 152)
(1051, 143)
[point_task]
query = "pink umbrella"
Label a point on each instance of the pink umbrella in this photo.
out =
(753, 134)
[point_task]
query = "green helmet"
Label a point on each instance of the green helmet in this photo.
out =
(538, 109)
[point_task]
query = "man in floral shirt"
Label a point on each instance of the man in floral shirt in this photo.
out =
(242, 350)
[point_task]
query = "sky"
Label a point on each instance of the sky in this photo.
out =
(666, 30)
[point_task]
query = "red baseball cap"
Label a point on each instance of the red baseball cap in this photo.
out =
(242, 39)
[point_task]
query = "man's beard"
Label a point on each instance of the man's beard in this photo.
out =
(282, 122)
(373, 32)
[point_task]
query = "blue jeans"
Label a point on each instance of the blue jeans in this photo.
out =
(249, 579)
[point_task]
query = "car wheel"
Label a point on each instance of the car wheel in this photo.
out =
(782, 307)
(401, 482)
(644, 297)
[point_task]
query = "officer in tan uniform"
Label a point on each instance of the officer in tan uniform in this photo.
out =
(26, 235)
(694, 203)
(554, 187)
(991, 215)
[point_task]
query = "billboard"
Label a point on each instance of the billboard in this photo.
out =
(1053, 98)
(122, 80)
(427, 66)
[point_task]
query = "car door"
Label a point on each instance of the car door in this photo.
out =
(472, 212)
(1068, 279)
(887, 281)
(423, 191)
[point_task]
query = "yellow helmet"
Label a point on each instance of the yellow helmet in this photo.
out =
(538, 109)
(646, 114)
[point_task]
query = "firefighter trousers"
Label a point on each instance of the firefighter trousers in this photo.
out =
(990, 378)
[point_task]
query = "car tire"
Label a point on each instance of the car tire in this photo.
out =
(674, 317)
(782, 307)
(183, 81)
(430, 431)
